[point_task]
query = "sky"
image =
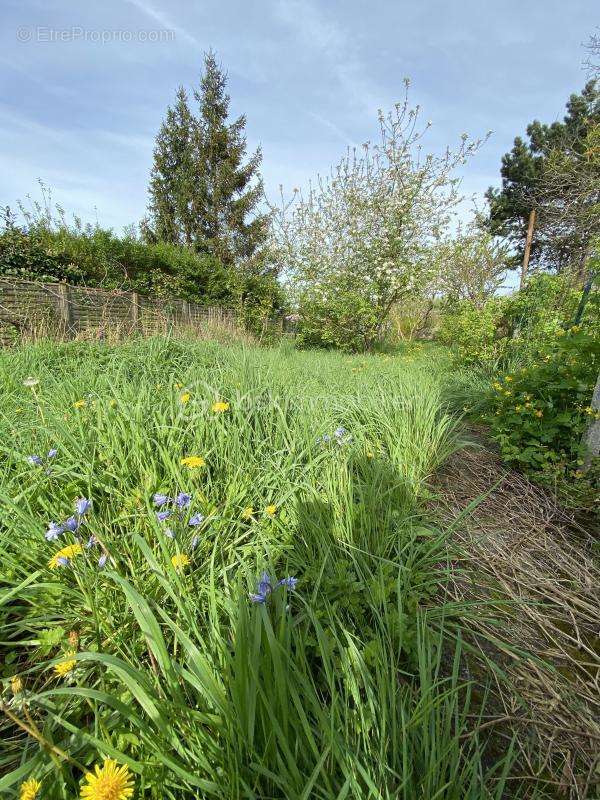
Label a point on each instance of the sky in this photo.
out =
(85, 86)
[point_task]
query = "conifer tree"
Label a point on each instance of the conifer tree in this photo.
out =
(171, 180)
(204, 192)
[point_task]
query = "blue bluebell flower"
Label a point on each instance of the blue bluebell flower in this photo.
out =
(71, 524)
(289, 582)
(195, 520)
(102, 561)
(265, 587)
(35, 460)
(183, 500)
(52, 453)
(194, 542)
(258, 598)
(63, 561)
(91, 542)
(82, 506)
(161, 499)
(54, 531)
(340, 432)
(161, 516)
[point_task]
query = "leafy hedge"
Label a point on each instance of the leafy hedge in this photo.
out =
(97, 257)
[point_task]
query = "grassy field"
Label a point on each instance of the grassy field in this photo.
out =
(160, 643)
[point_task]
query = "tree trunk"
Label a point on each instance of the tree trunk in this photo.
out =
(527, 253)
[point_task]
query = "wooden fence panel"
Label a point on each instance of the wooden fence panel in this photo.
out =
(60, 310)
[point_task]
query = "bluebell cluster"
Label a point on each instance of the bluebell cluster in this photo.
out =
(175, 507)
(266, 587)
(43, 461)
(340, 437)
(72, 524)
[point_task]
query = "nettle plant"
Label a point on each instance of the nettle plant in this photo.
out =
(366, 231)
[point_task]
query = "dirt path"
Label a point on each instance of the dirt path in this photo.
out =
(535, 570)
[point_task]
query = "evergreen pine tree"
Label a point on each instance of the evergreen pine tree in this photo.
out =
(171, 180)
(204, 193)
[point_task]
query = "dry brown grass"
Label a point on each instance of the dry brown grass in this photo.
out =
(532, 567)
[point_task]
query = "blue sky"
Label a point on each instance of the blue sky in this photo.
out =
(81, 114)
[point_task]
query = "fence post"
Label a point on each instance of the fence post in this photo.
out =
(135, 310)
(64, 307)
(187, 313)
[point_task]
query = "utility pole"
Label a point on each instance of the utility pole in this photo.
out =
(525, 266)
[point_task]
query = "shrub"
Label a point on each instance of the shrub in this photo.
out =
(539, 414)
(23, 257)
(474, 332)
(344, 320)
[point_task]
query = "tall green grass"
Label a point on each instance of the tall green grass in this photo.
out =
(346, 687)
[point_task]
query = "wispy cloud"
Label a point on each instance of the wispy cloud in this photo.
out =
(165, 21)
(327, 37)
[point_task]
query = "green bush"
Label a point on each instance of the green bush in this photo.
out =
(98, 257)
(23, 257)
(344, 320)
(473, 332)
(539, 413)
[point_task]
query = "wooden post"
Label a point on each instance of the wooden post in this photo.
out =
(591, 438)
(525, 266)
(135, 310)
(64, 307)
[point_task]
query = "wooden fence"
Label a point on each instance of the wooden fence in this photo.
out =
(28, 310)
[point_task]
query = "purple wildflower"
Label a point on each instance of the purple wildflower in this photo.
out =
(183, 500)
(63, 561)
(195, 520)
(102, 561)
(160, 500)
(289, 582)
(265, 587)
(91, 542)
(36, 461)
(52, 453)
(82, 506)
(71, 524)
(161, 516)
(54, 531)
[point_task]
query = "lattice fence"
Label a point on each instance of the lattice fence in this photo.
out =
(29, 310)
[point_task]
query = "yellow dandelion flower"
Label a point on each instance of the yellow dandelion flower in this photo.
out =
(185, 398)
(65, 552)
(64, 667)
(193, 462)
(220, 408)
(79, 404)
(108, 782)
(270, 511)
(29, 789)
(247, 512)
(180, 561)
(16, 684)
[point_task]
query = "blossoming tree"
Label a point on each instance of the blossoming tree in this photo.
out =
(359, 241)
